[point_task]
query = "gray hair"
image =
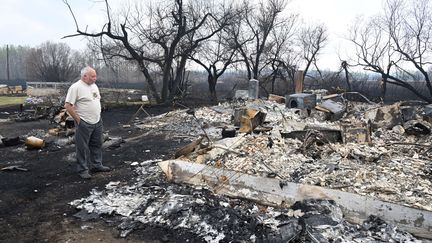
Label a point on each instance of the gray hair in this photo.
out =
(85, 70)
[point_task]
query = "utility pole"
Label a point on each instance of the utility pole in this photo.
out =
(7, 62)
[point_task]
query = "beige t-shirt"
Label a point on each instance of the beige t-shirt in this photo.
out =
(86, 100)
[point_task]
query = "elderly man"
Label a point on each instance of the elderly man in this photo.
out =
(83, 104)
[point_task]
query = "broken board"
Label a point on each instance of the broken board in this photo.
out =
(356, 208)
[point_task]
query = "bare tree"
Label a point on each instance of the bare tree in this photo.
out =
(52, 62)
(161, 41)
(312, 39)
(373, 49)
(293, 48)
(253, 34)
(397, 45)
(215, 56)
(282, 57)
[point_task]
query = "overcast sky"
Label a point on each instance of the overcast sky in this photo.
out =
(32, 22)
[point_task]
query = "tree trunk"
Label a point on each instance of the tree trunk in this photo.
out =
(178, 78)
(151, 83)
(212, 80)
(273, 83)
(344, 66)
(166, 80)
(383, 87)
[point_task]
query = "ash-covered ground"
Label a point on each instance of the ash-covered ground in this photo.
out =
(135, 203)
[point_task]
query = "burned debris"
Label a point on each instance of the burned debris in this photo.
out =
(36, 108)
(202, 215)
(308, 167)
(329, 169)
(11, 141)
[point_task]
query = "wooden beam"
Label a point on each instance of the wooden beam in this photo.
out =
(298, 81)
(268, 191)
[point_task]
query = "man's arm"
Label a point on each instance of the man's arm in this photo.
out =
(71, 110)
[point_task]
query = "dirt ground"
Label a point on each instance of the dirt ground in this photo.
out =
(34, 204)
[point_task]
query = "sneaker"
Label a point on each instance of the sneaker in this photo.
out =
(85, 175)
(101, 168)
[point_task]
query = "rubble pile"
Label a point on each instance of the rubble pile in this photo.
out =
(393, 168)
(370, 149)
(36, 108)
(150, 200)
(187, 122)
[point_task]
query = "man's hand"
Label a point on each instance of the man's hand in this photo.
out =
(71, 111)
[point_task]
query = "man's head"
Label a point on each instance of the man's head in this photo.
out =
(88, 75)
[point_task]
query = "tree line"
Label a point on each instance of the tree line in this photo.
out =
(162, 37)
(57, 62)
(157, 41)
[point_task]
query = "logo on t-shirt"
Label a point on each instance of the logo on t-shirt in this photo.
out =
(95, 95)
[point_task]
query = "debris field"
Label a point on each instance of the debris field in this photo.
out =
(360, 150)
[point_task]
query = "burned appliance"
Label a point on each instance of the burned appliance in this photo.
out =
(300, 101)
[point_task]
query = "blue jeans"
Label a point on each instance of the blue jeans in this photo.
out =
(88, 142)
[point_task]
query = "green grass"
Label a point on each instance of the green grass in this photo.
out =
(12, 100)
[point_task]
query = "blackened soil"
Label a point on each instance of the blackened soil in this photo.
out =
(34, 204)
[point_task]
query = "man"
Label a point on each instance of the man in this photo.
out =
(83, 104)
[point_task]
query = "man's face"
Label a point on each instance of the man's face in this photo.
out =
(90, 77)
